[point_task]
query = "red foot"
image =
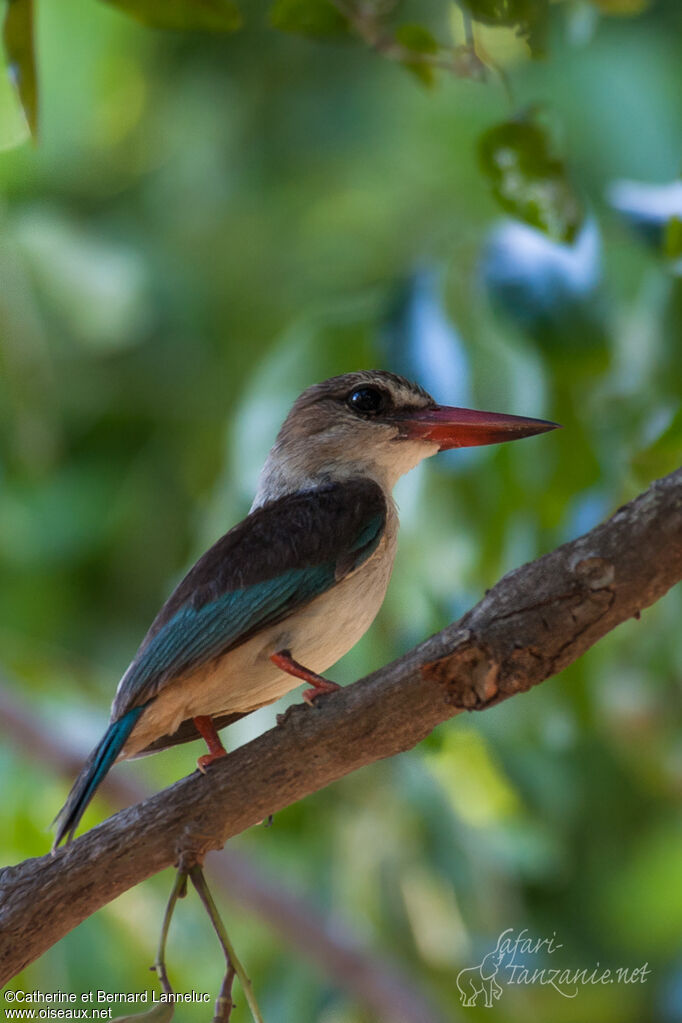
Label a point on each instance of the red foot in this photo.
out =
(285, 661)
(216, 750)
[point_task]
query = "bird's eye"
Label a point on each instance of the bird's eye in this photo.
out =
(367, 400)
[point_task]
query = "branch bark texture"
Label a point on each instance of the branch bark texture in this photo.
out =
(534, 622)
(326, 941)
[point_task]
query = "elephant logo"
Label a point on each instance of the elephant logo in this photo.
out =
(474, 981)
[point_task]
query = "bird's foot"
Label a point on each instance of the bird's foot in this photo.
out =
(209, 758)
(285, 661)
(216, 750)
(323, 685)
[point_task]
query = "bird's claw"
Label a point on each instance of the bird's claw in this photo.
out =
(321, 687)
(209, 758)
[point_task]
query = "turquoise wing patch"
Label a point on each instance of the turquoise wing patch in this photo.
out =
(194, 636)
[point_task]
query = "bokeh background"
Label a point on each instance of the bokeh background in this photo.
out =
(207, 225)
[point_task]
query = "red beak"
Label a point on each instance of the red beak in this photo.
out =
(466, 428)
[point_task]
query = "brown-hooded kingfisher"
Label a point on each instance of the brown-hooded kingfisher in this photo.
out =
(294, 586)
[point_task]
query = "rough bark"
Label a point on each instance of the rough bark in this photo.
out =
(534, 622)
(324, 940)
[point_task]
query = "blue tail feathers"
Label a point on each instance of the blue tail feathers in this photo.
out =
(87, 782)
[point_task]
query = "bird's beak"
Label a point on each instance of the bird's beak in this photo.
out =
(465, 428)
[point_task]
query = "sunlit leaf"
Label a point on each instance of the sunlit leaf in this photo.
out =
(504, 12)
(184, 15)
(528, 180)
(475, 784)
(529, 17)
(317, 18)
(17, 35)
(500, 47)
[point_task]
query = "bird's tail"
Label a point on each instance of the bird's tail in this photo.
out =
(96, 767)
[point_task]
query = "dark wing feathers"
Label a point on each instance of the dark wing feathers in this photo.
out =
(278, 558)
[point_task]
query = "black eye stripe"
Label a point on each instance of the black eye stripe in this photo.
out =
(367, 400)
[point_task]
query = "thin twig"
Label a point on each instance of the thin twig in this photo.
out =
(224, 1004)
(178, 892)
(199, 881)
(163, 1013)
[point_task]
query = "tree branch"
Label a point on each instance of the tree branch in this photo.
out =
(534, 622)
(382, 986)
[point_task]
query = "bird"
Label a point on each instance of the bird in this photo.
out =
(292, 587)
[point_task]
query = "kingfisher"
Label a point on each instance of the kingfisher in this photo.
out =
(291, 588)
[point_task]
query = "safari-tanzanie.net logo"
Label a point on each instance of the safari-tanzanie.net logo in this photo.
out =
(521, 959)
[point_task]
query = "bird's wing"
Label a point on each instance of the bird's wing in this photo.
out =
(277, 559)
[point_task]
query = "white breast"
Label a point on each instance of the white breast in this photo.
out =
(245, 678)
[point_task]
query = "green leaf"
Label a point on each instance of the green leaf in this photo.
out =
(418, 39)
(529, 16)
(317, 18)
(184, 15)
(528, 180)
(17, 36)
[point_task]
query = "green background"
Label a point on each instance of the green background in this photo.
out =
(207, 225)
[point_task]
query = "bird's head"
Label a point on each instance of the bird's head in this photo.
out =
(377, 424)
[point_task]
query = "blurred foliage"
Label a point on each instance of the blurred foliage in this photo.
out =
(528, 180)
(17, 37)
(373, 22)
(417, 41)
(211, 222)
(527, 17)
(654, 211)
(184, 15)
(318, 18)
